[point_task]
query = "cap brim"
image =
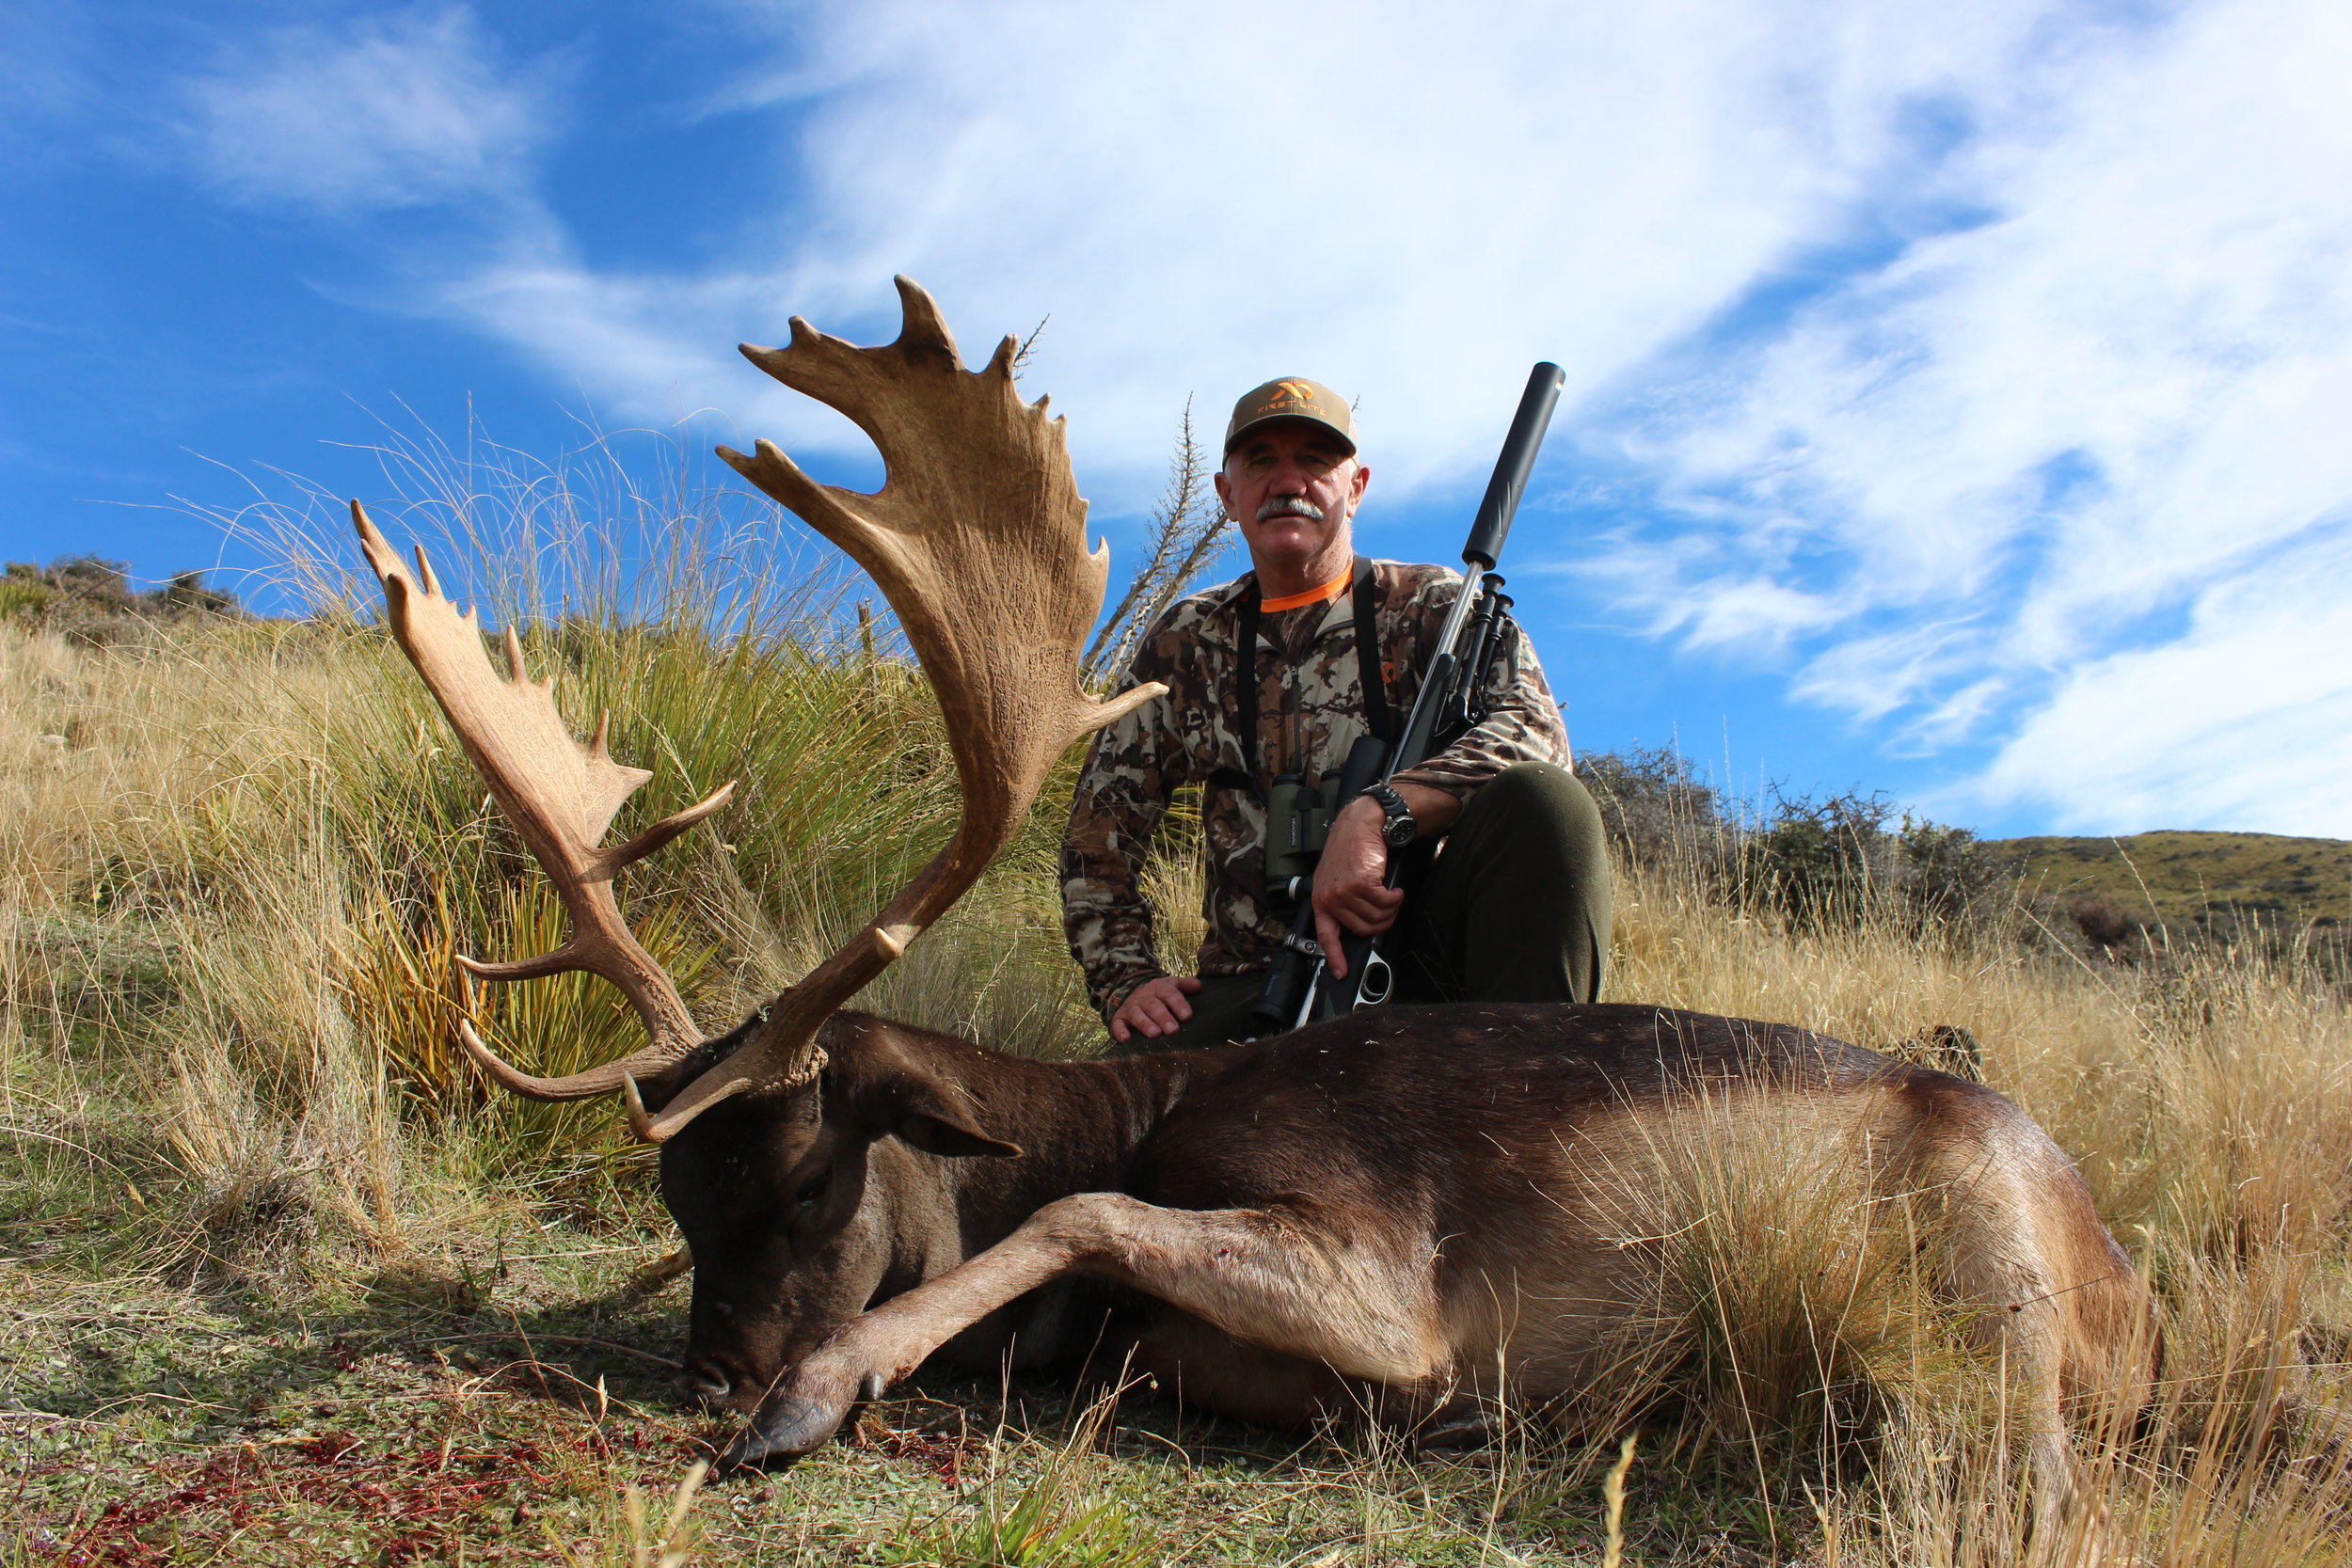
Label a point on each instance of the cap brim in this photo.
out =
(1345, 439)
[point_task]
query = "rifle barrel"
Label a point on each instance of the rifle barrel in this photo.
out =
(1512, 469)
(1478, 555)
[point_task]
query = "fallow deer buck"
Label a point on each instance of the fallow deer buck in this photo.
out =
(1413, 1213)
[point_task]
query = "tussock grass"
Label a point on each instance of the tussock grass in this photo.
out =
(229, 890)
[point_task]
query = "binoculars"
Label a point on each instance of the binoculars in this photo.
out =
(1298, 822)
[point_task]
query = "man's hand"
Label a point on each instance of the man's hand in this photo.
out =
(1351, 879)
(1351, 883)
(1156, 1007)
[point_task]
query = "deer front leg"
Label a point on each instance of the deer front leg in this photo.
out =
(1273, 1278)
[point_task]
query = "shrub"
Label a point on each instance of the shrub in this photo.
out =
(2102, 921)
(92, 599)
(1814, 861)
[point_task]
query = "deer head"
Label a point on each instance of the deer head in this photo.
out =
(976, 538)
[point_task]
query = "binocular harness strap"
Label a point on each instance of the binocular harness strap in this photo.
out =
(1378, 717)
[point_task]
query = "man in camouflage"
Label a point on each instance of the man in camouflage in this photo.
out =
(1516, 906)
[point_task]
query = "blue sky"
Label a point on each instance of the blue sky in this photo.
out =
(1957, 397)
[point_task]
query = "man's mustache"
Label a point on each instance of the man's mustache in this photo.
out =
(1290, 506)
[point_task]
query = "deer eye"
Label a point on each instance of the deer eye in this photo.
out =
(812, 1191)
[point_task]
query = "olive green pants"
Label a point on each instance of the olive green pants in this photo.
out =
(1515, 907)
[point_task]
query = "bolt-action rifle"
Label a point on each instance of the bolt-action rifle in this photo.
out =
(1301, 987)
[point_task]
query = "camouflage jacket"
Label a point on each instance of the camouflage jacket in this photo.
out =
(1311, 710)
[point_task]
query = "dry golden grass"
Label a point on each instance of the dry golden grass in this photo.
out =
(2209, 1104)
(232, 886)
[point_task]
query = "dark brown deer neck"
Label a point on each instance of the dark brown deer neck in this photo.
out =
(1078, 1123)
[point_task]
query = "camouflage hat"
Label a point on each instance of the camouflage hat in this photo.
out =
(1293, 397)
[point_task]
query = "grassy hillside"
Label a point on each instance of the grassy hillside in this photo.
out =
(2177, 876)
(284, 1285)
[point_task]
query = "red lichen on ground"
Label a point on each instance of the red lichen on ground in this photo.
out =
(411, 1500)
(942, 1454)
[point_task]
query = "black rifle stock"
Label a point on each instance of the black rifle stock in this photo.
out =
(1301, 988)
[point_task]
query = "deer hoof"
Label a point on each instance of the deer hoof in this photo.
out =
(1455, 1433)
(786, 1429)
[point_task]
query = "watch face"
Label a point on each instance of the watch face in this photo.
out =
(1398, 832)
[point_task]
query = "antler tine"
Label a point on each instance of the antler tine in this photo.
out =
(978, 539)
(561, 795)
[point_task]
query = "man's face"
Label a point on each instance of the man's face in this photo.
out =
(1292, 486)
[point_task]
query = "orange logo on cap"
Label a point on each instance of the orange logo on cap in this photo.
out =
(1297, 391)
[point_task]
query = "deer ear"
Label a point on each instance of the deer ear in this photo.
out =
(932, 1118)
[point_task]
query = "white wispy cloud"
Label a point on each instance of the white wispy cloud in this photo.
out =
(2063, 470)
(405, 109)
(2244, 720)
(2047, 447)
(1399, 201)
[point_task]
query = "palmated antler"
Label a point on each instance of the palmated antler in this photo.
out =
(978, 538)
(560, 794)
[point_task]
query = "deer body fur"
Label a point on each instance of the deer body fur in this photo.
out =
(1415, 1216)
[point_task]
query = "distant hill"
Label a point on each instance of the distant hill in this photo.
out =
(2184, 874)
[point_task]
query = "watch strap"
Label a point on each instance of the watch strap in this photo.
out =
(1396, 814)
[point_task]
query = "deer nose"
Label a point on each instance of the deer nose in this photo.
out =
(702, 1381)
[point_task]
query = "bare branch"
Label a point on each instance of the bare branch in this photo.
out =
(1189, 531)
(1029, 346)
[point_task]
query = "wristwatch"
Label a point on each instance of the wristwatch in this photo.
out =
(1397, 826)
